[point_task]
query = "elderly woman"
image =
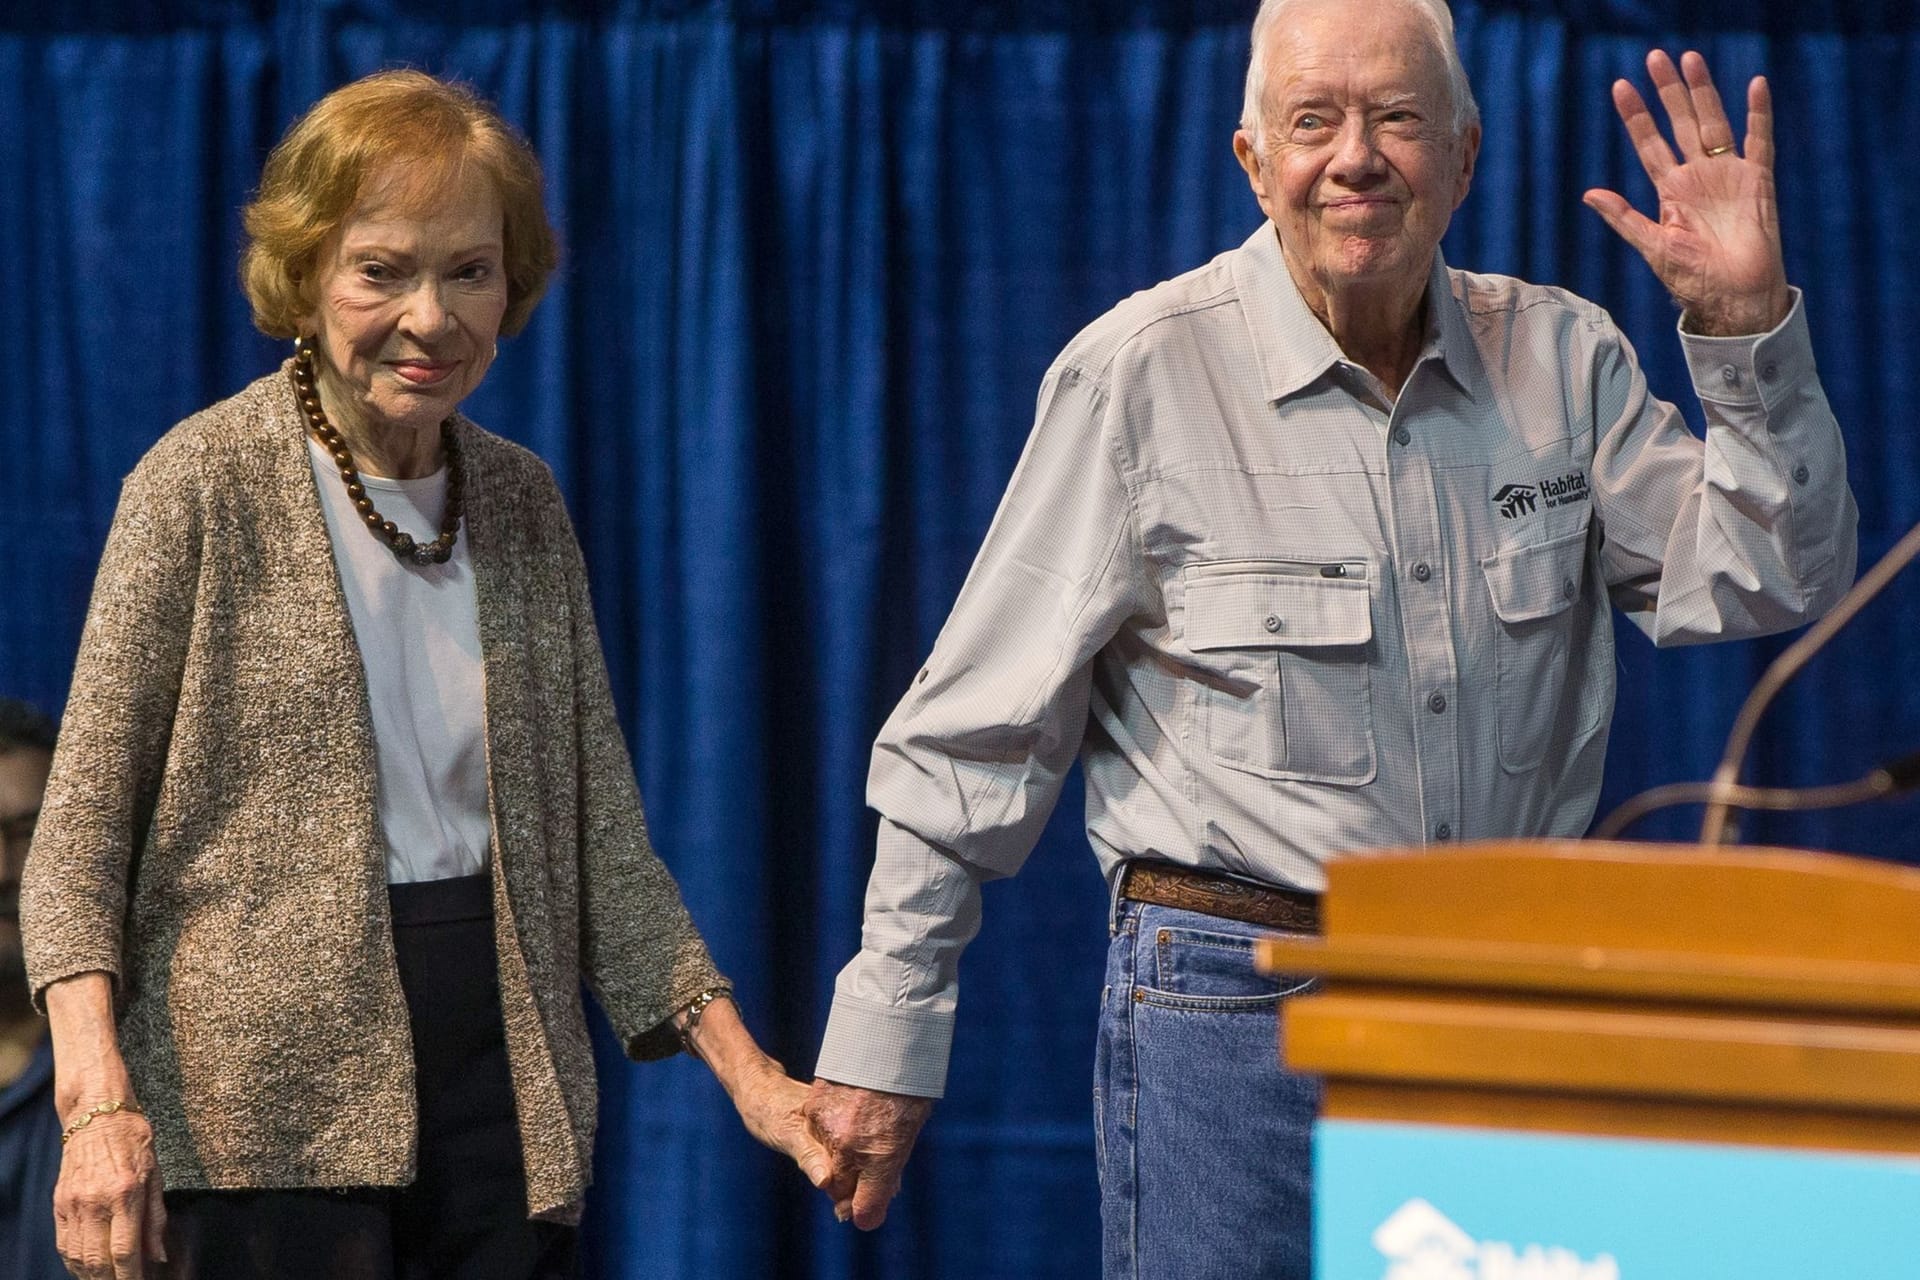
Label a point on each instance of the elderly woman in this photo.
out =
(341, 817)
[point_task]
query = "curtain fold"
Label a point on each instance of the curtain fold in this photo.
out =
(818, 256)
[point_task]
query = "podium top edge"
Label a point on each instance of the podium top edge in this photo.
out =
(1730, 900)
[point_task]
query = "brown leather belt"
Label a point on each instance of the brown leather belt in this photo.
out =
(1166, 885)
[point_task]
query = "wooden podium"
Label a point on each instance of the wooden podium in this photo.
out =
(1737, 998)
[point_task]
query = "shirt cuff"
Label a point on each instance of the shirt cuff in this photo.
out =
(1752, 370)
(884, 1047)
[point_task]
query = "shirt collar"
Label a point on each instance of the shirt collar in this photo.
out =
(1294, 349)
(1450, 335)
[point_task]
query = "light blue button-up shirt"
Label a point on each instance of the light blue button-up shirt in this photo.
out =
(1283, 616)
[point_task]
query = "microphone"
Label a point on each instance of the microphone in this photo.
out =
(1905, 772)
(1725, 792)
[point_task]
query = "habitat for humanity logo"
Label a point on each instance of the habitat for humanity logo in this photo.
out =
(1421, 1244)
(1516, 500)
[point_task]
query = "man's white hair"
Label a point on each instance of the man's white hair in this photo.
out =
(1466, 112)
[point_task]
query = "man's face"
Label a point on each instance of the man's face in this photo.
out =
(1361, 168)
(23, 777)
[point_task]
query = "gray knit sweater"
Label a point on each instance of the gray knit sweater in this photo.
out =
(210, 835)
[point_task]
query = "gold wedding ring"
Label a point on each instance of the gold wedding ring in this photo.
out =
(1720, 150)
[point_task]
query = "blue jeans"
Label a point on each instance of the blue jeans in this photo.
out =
(1203, 1137)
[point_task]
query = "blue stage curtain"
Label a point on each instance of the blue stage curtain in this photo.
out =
(818, 256)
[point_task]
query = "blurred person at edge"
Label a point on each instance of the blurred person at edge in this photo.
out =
(1311, 551)
(29, 1125)
(341, 816)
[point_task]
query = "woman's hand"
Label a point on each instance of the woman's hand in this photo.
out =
(108, 1218)
(766, 1098)
(107, 1213)
(769, 1103)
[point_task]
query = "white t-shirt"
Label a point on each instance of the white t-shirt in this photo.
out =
(420, 641)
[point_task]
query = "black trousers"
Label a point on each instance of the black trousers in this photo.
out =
(465, 1215)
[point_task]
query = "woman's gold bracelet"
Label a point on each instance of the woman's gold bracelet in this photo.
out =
(696, 1007)
(113, 1107)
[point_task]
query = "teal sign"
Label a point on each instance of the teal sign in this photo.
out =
(1420, 1202)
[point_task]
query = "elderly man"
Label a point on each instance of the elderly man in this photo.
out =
(1311, 551)
(29, 1126)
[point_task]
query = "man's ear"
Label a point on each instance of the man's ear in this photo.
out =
(1246, 152)
(1469, 156)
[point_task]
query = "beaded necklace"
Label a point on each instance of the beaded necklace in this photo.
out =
(440, 550)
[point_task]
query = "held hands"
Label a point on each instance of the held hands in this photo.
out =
(869, 1135)
(766, 1098)
(108, 1216)
(769, 1102)
(1716, 247)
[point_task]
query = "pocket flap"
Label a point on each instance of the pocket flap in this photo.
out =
(1259, 609)
(1530, 583)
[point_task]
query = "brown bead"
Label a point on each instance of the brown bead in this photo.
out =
(389, 528)
(365, 507)
(355, 489)
(373, 518)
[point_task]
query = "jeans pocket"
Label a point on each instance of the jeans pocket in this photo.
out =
(1211, 970)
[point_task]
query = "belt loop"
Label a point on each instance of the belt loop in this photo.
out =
(1117, 905)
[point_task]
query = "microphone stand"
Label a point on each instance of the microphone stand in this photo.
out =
(1883, 783)
(1726, 778)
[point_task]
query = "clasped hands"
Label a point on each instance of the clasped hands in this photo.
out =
(1716, 246)
(850, 1142)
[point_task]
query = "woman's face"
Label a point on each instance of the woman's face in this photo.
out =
(410, 303)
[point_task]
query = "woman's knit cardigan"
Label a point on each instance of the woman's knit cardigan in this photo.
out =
(209, 834)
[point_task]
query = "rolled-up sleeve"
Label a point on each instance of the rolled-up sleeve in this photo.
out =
(970, 764)
(1752, 530)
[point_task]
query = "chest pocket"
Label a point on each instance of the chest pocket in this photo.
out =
(1287, 692)
(1535, 591)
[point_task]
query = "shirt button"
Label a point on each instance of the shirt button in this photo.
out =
(1437, 703)
(1444, 831)
(1403, 436)
(1729, 375)
(1568, 590)
(1421, 572)
(1801, 474)
(1769, 371)
(1273, 622)
(922, 677)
